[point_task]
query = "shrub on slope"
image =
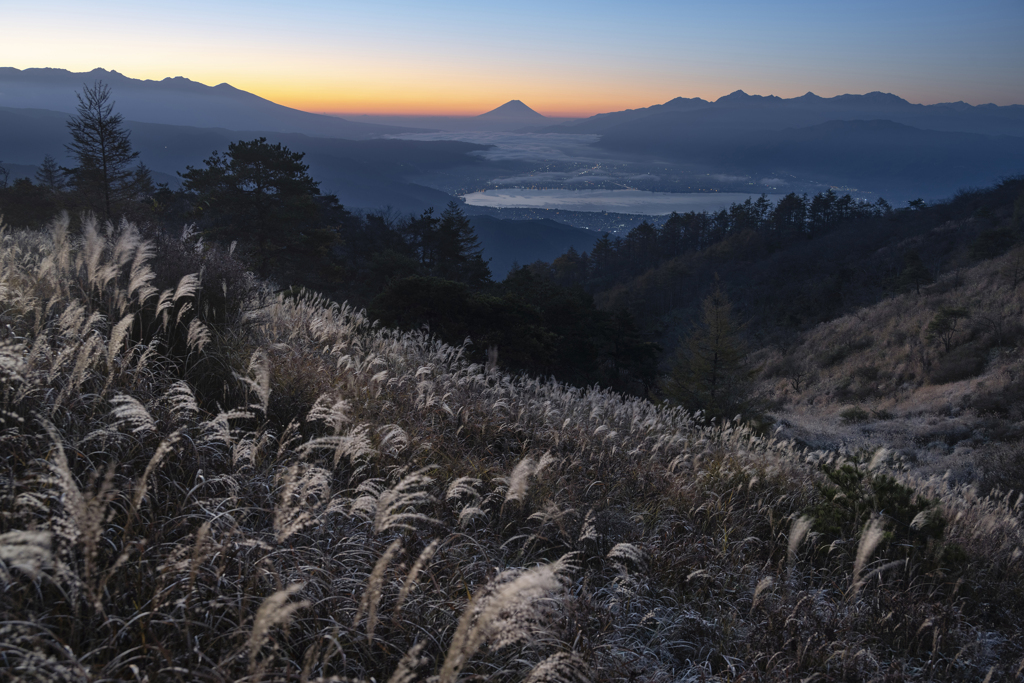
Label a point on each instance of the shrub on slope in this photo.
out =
(360, 503)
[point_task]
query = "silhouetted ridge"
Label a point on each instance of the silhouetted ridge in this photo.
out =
(513, 109)
(176, 101)
(741, 97)
(873, 98)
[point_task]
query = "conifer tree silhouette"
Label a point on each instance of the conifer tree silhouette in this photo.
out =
(101, 146)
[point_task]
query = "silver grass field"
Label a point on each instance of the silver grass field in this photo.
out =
(278, 489)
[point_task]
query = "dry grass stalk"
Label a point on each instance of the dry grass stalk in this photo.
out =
(274, 611)
(405, 672)
(370, 601)
(24, 552)
(522, 596)
(392, 505)
(414, 573)
(797, 534)
(561, 667)
(872, 535)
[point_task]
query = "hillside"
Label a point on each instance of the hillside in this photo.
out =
(203, 480)
(899, 329)
(945, 402)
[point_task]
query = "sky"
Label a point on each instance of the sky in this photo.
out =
(561, 58)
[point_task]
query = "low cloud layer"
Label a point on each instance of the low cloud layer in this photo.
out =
(520, 146)
(589, 179)
(615, 201)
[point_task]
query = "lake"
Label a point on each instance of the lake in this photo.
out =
(613, 201)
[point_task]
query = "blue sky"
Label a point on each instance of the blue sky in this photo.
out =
(561, 58)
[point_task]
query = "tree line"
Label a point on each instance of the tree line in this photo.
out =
(770, 226)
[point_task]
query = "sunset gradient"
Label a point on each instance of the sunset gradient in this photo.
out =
(561, 58)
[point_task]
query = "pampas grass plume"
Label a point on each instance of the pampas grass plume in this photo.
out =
(275, 610)
(869, 540)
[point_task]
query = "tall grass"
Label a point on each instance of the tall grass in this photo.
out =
(290, 492)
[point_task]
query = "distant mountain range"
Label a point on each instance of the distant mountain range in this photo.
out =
(176, 101)
(739, 110)
(876, 142)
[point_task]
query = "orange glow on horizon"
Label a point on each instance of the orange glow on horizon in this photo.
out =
(376, 92)
(470, 103)
(354, 103)
(419, 94)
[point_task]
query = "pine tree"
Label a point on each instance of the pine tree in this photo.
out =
(49, 175)
(457, 252)
(260, 193)
(101, 146)
(711, 372)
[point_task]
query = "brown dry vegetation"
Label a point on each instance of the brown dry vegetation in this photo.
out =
(201, 481)
(878, 378)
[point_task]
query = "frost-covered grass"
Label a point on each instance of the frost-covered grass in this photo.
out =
(282, 490)
(874, 378)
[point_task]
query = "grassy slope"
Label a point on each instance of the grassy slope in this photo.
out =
(288, 492)
(874, 378)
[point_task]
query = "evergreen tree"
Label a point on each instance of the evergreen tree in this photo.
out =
(101, 146)
(671, 240)
(823, 212)
(50, 176)
(419, 234)
(262, 194)
(763, 212)
(458, 255)
(633, 359)
(790, 216)
(571, 268)
(711, 372)
(642, 251)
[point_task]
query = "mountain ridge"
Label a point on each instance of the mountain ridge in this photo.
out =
(177, 101)
(741, 110)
